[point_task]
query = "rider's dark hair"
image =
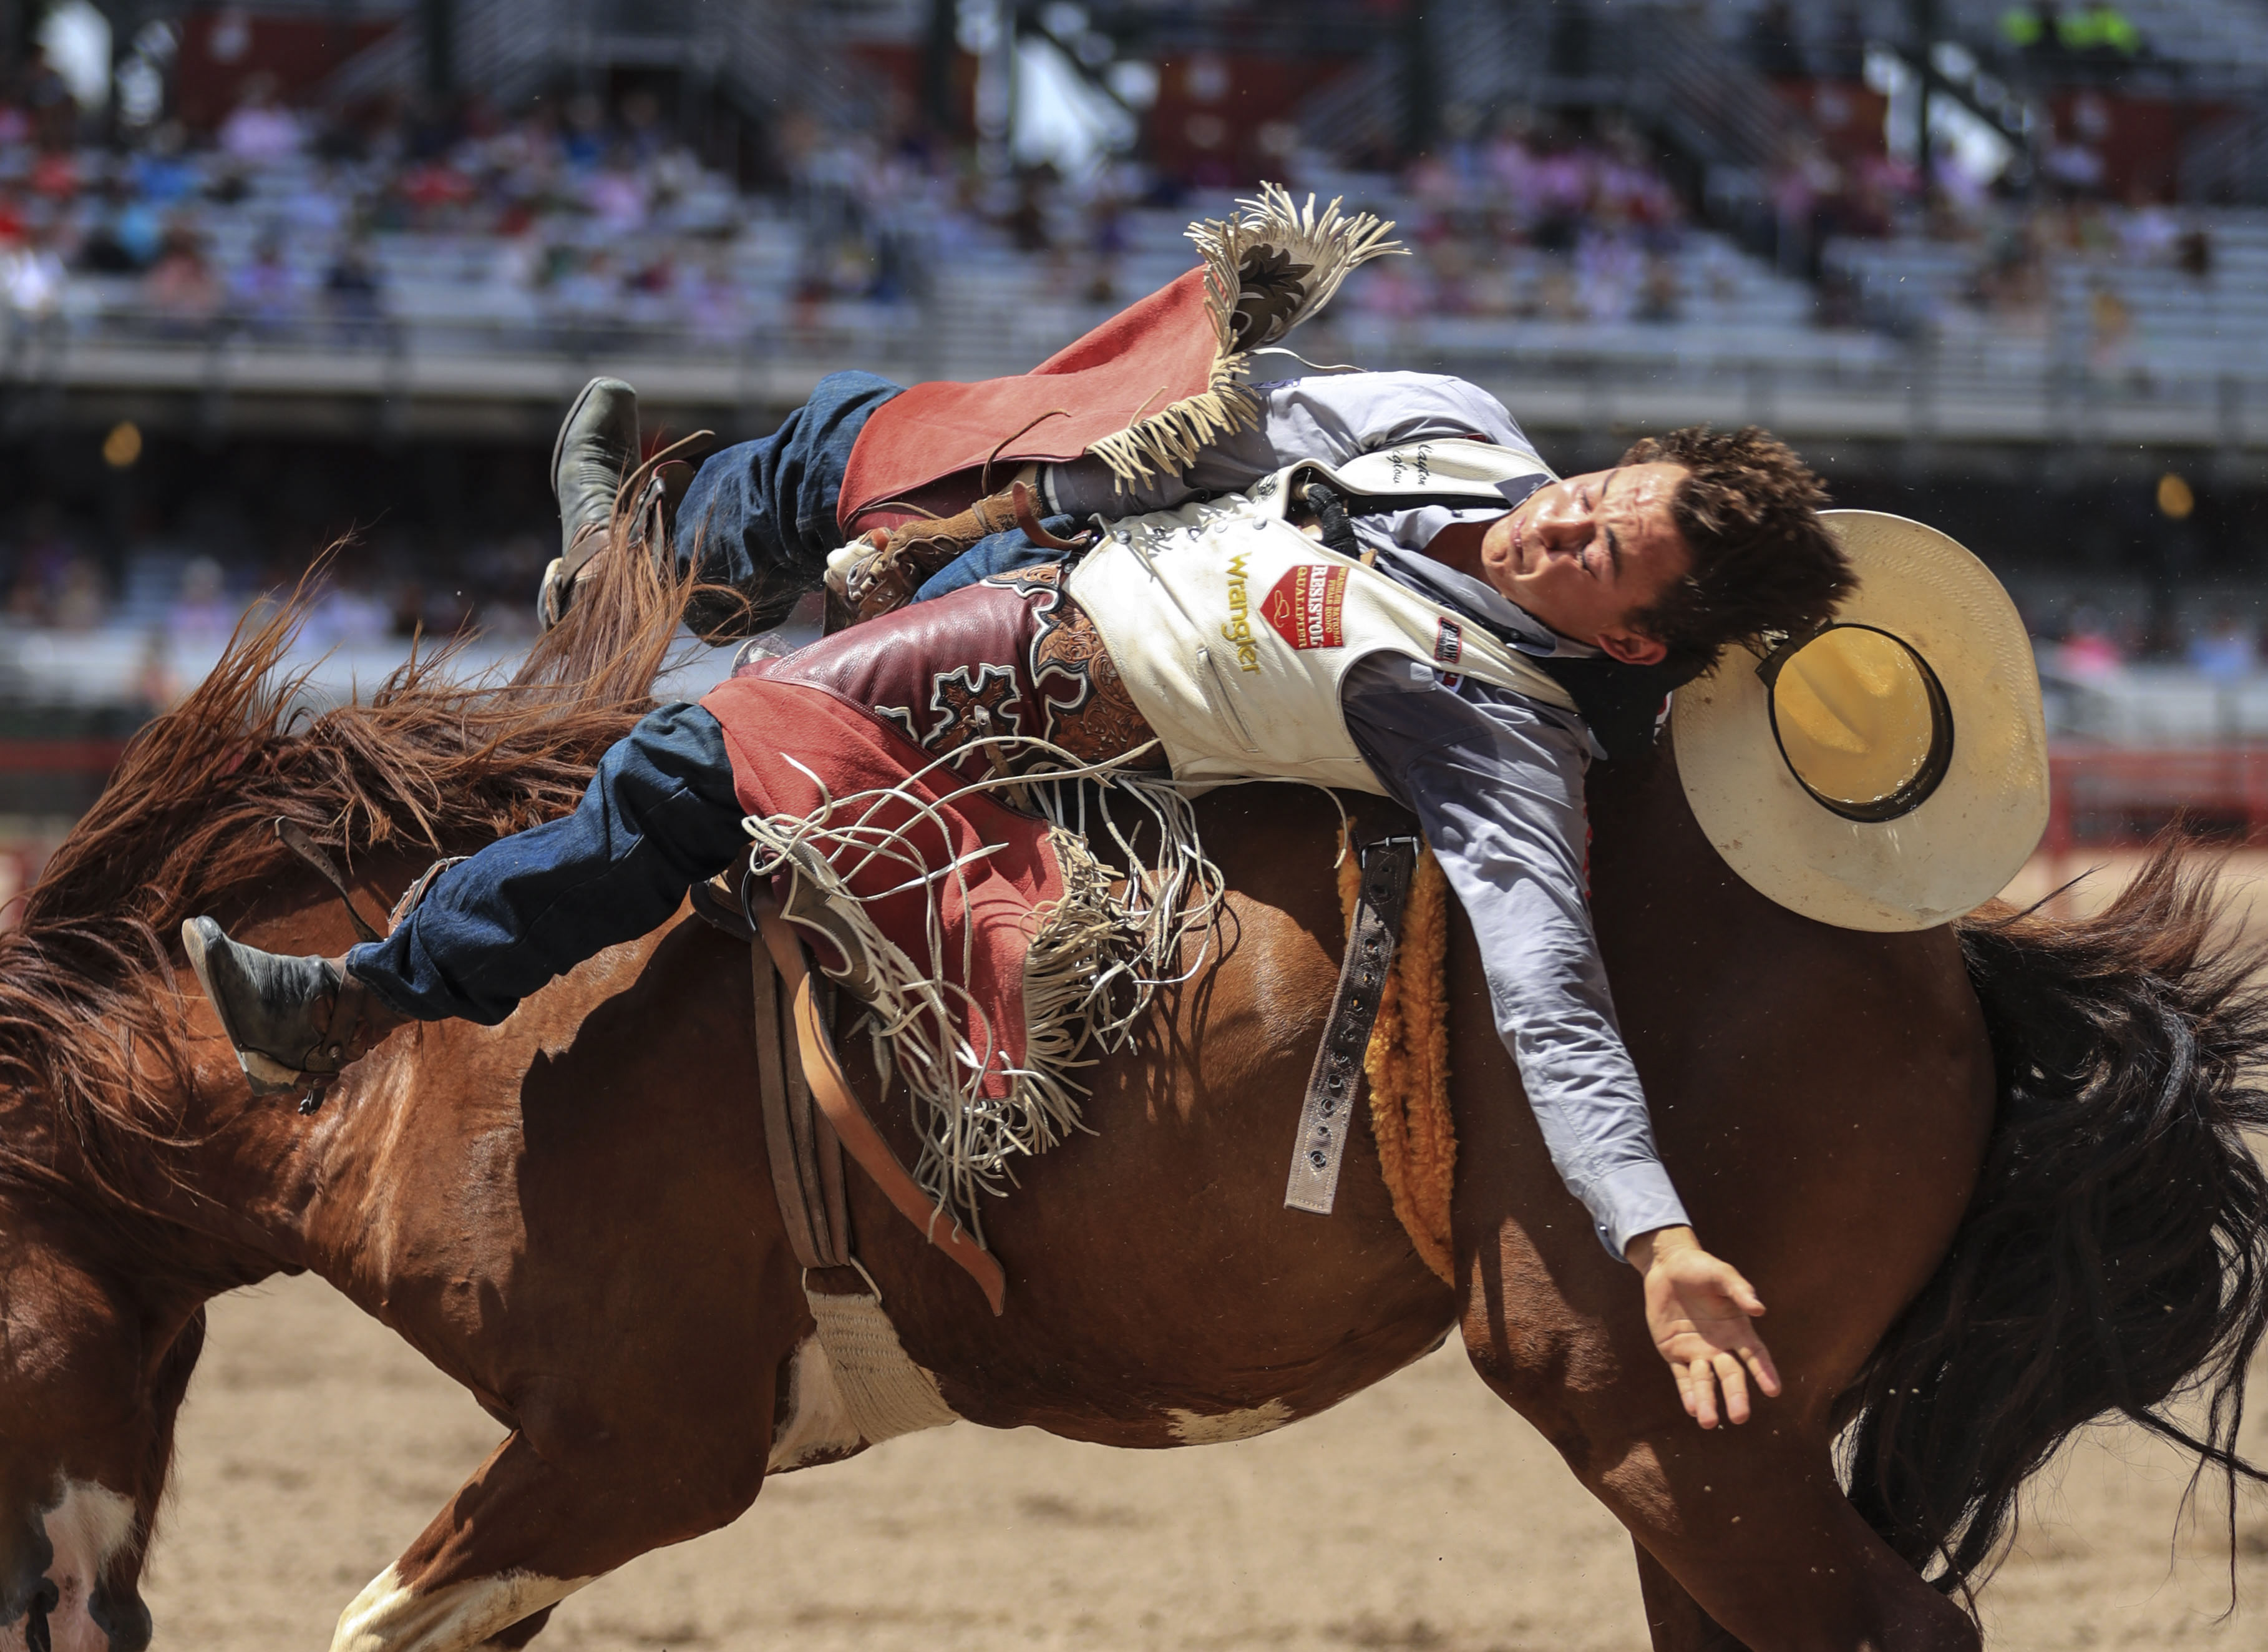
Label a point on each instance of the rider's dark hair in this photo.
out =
(1762, 561)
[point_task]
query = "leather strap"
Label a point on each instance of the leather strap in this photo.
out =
(294, 837)
(1327, 1116)
(852, 1126)
(1028, 518)
(807, 1156)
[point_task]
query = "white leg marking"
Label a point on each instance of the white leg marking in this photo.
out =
(387, 1618)
(1197, 1428)
(88, 1525)
(818, 1427)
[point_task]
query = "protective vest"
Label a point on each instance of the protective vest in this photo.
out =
(1232, 629)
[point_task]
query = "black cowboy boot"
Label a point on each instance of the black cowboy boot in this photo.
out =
(598, 446)
(295, 1022)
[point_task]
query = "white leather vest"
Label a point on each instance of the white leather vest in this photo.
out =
(1233, 628)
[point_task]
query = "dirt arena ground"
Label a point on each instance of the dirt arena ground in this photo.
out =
(1422, 1514)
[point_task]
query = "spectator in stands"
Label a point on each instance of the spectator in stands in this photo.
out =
(201, 615)
(351, 291)
(616, 194)
(1662, 298)
(181, 287)
(2193, 253)
(158, 685)
(348, 614)
(125, 239)
(2012, 280)
(264, 292)
(160, 174)
(2225, 652)
(81, 598)
(32, 277)
(2110, 324)
(1393, 289)
(259, 130)
(2090, 652)
(43, 558)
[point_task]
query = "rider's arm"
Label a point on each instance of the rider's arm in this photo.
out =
(1496, 782)
(1327, 417)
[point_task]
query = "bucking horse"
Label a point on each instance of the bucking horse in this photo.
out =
(1992, 1179)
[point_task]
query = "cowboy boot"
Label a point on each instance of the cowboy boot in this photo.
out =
(598, 446)
(295, 1022)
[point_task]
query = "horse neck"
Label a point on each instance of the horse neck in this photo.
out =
(190, 1173)
(225, 1201)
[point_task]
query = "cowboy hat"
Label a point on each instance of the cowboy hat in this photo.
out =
(1890, 771)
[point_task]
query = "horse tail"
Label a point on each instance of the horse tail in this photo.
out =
(2115, 1254)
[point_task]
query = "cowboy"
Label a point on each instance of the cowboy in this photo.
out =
(1648, 569)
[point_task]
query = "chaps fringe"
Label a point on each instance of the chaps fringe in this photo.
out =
(1267, 270)
(1096, 959)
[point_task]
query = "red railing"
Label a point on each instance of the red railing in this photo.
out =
(94, 755)
(2104, 798)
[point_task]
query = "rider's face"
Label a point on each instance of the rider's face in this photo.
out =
(1585, 554)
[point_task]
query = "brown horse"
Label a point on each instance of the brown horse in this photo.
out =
(1992, 1183)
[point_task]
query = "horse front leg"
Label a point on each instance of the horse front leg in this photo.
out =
(523, 1534)
(472, 1578)
(1750, 1540)
(1673, 1618)
(1745, 1537)
(644, 1451)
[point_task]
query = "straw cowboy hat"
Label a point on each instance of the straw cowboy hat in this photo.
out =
(1888, 772)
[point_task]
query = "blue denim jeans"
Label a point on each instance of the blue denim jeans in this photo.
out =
(660, 815)
(998, 553)
(760, 516)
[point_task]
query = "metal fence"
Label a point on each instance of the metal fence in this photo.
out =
(1807, 386)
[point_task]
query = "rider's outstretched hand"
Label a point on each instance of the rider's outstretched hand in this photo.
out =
(1701, 1313)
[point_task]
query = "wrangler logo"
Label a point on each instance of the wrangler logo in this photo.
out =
(1307, 606)
(1239, 629)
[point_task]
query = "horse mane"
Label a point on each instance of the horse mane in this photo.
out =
(429, 764)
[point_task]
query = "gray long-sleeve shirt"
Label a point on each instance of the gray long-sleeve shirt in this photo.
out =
(1495, 778)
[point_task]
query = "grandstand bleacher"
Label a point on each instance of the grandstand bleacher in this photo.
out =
(722, 204)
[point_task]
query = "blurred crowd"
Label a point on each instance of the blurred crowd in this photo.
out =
(172, 601)
(285, 219)
(1534, 221)
(2085, 644)
(282, 217)
(194, 580)
(585, 213)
